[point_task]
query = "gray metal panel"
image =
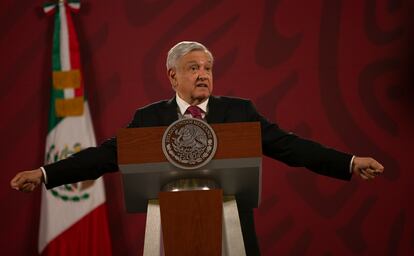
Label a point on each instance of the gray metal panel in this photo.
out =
(238, 176)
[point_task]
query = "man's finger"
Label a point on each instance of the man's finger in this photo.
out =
(369, 170)
(28, 187)
(373, 164)
(24, 188)
(20, 182)
(363, 176)
(367, 173)
(373, 172)
(15, 181)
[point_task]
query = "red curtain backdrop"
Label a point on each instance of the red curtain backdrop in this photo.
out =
(339, 72)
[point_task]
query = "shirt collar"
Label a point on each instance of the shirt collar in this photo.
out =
(183, 105)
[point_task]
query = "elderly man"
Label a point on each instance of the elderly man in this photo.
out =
(190, 71)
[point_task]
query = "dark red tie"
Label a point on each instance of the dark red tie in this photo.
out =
(195, 112)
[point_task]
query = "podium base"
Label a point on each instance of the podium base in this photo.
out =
(232, 238)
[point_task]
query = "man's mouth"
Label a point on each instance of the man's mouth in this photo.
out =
(203, 85)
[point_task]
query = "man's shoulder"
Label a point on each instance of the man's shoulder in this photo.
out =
(167, 103)
(157, 105)
(230, 100)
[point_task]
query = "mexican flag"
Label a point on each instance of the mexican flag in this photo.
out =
(73, 217)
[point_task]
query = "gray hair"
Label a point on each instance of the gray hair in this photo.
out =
(181, 49)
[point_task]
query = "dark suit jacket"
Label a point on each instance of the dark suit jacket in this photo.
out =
(91, 163)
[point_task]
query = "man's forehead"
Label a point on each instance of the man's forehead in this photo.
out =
(190, 62)
(196, 57)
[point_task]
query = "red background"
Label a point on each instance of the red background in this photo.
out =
(334, 71)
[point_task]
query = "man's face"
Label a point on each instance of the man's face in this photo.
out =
(192, 79)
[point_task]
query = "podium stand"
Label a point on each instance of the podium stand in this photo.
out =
(203, 220)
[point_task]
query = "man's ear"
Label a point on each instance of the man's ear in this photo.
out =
(172, 77)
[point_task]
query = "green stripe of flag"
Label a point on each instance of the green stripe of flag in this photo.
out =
(53, 118)
(56, 65)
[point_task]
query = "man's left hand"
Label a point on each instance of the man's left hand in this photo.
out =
(366, 167)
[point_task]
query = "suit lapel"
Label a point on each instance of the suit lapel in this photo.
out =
(169, 113)
(216, 110)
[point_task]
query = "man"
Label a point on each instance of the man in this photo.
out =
(190, 71)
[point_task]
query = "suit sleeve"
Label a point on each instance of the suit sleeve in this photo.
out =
(88, 164)
(295, 151)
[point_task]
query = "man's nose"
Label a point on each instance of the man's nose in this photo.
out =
(201, 77)
(202, 74)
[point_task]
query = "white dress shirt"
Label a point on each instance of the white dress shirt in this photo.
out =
(183, 105)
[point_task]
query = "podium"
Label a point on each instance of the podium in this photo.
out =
(192, 212)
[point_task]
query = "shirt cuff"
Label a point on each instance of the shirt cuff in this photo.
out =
(45, 176)
(350, 164)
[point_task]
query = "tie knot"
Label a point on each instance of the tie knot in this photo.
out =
(194, 111)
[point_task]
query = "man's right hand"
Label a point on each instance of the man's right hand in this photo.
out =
(27, 181)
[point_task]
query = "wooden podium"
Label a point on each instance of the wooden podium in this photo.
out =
(200, 220)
